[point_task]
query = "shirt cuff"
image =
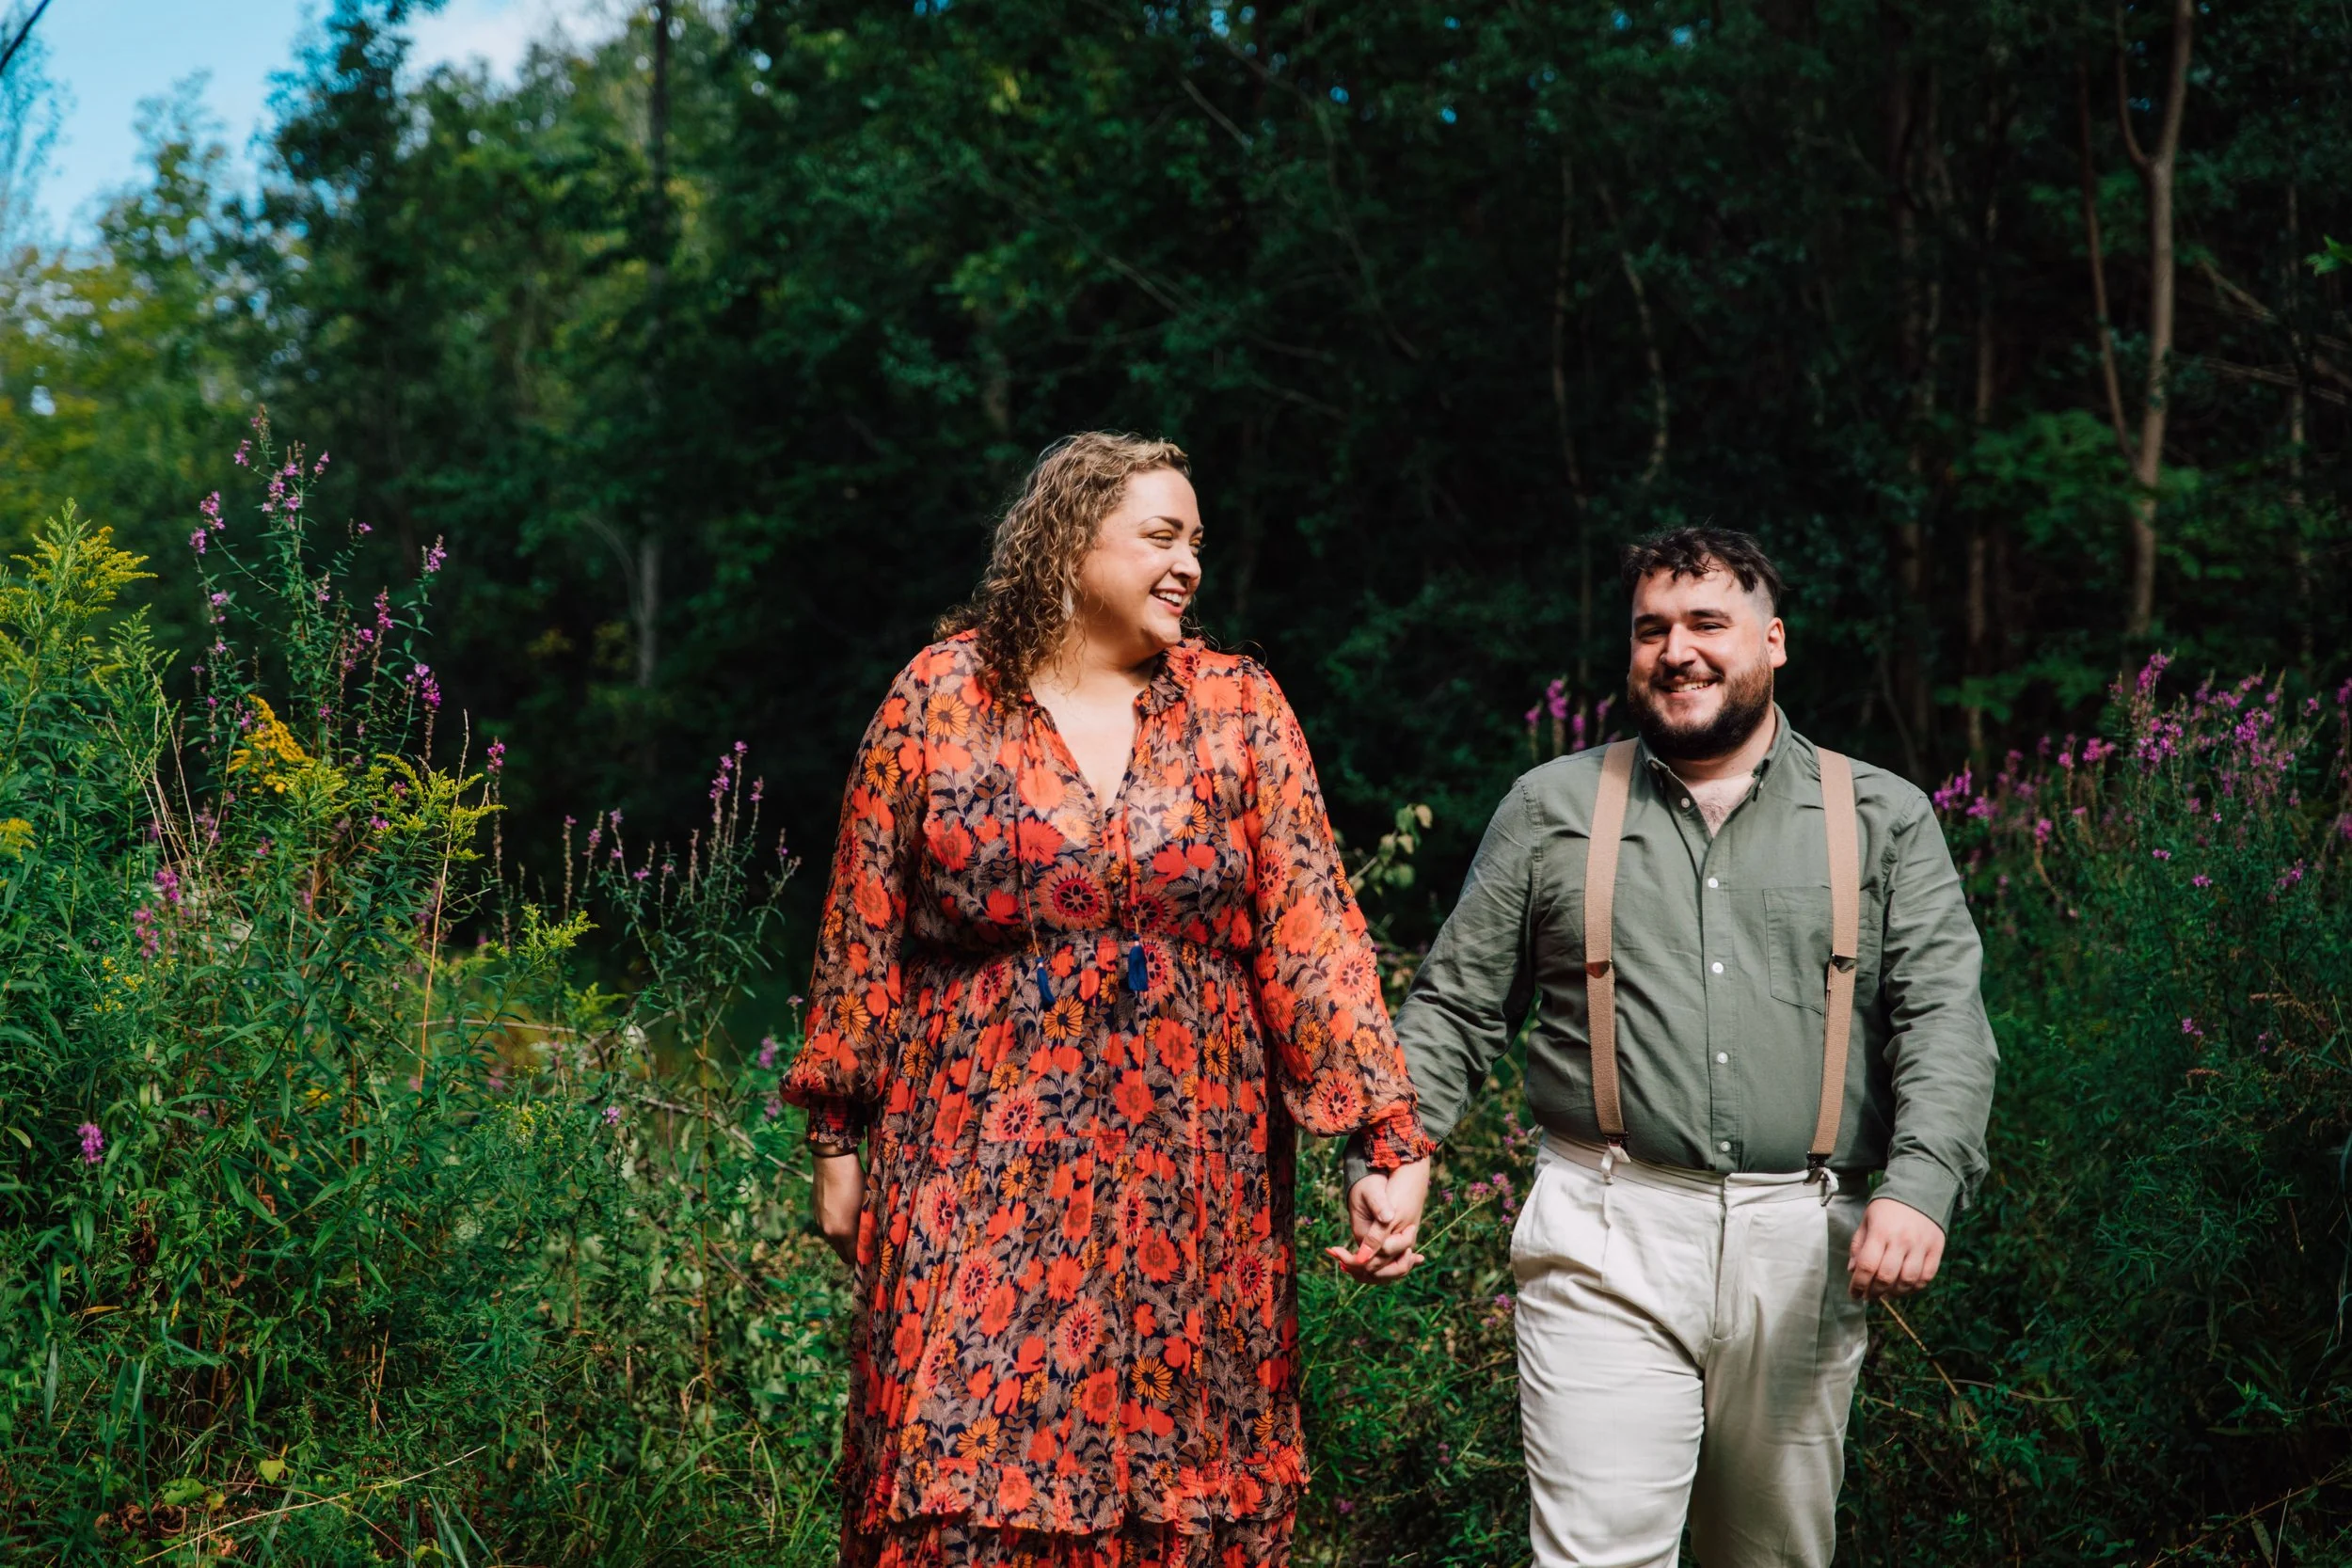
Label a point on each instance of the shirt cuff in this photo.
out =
(833, 1120)
(1394, 1138)
(1923, 1183)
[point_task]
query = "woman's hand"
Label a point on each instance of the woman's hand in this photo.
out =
(1384, 1208)
(840, 1195)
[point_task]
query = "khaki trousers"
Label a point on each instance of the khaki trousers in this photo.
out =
(1686, 1346)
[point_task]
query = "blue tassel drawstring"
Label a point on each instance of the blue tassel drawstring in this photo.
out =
(1138, 969)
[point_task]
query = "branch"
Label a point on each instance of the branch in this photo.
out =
(1214, 112)
(2268, 375)
(2123, 101)
(22, 34)
(2176, 84)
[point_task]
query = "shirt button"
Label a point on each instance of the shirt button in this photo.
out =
(1724, 1148)
(1711, 882)
(1686, 803)
(1722, 1056)
(1717, 967)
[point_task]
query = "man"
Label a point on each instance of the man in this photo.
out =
(1695, 1253)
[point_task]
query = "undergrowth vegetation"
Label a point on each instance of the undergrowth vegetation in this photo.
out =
(357, 1204)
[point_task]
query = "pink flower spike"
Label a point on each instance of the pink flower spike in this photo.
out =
(93, 1142)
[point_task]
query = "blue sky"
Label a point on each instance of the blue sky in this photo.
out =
(109, 55)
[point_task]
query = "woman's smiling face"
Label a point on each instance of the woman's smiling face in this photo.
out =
(1144, 569)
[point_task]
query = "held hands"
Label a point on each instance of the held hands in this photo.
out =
(840, 1195)
(1896, 1250)
(1385, 1210)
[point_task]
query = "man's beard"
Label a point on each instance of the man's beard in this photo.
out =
(1747, 702)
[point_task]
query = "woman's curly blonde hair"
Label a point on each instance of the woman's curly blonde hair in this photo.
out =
(1028, 595)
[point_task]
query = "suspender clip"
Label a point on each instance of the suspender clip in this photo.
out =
(1817, 1169)
(1612, 1153)
(1842, 962)
(1595, 968)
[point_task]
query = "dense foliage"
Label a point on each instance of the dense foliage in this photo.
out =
(325, 1237)
(713, 343)
(388, 1163)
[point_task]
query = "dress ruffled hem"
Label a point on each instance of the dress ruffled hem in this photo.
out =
(956, 1542)
(1020, 1498)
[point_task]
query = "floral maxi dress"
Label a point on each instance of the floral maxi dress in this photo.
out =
(1079, 1038)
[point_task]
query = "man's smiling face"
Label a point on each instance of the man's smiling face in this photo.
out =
(1703, 652)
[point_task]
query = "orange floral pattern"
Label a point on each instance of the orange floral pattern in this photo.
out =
(1080, 1040)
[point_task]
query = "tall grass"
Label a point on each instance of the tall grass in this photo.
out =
(346, 1215)
(325, 1234)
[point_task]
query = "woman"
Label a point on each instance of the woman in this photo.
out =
(1088, 956)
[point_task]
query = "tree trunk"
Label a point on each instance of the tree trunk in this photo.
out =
(2157, 166)
(1910, 113)
(1978, 609)
(648, 595)
(1579, 504)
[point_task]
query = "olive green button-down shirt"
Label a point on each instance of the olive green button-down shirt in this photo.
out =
(1721, 946)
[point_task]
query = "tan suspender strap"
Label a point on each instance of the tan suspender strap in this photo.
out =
(1600, 899)
(1845, 940)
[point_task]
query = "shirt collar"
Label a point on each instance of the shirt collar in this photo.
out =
(1783, 737)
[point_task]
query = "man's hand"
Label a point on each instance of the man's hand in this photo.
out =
(1896, 1251)
(840, 1194)
(1385, 1210)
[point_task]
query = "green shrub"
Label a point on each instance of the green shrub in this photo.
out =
(2139, 1353)
(325, 1234)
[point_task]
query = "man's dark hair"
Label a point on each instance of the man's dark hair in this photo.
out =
(1693, 552)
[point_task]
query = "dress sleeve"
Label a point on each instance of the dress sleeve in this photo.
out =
(855, 991)
(1335, 1054)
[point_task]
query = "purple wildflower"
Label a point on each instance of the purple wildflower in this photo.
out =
(767, 1051)
(93, 1143)
(498, 759)
(613, 1115)
(434, 558)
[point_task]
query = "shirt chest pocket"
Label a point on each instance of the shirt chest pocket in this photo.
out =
(1796, 939)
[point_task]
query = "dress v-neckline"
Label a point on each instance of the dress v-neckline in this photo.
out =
(1100, 806)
